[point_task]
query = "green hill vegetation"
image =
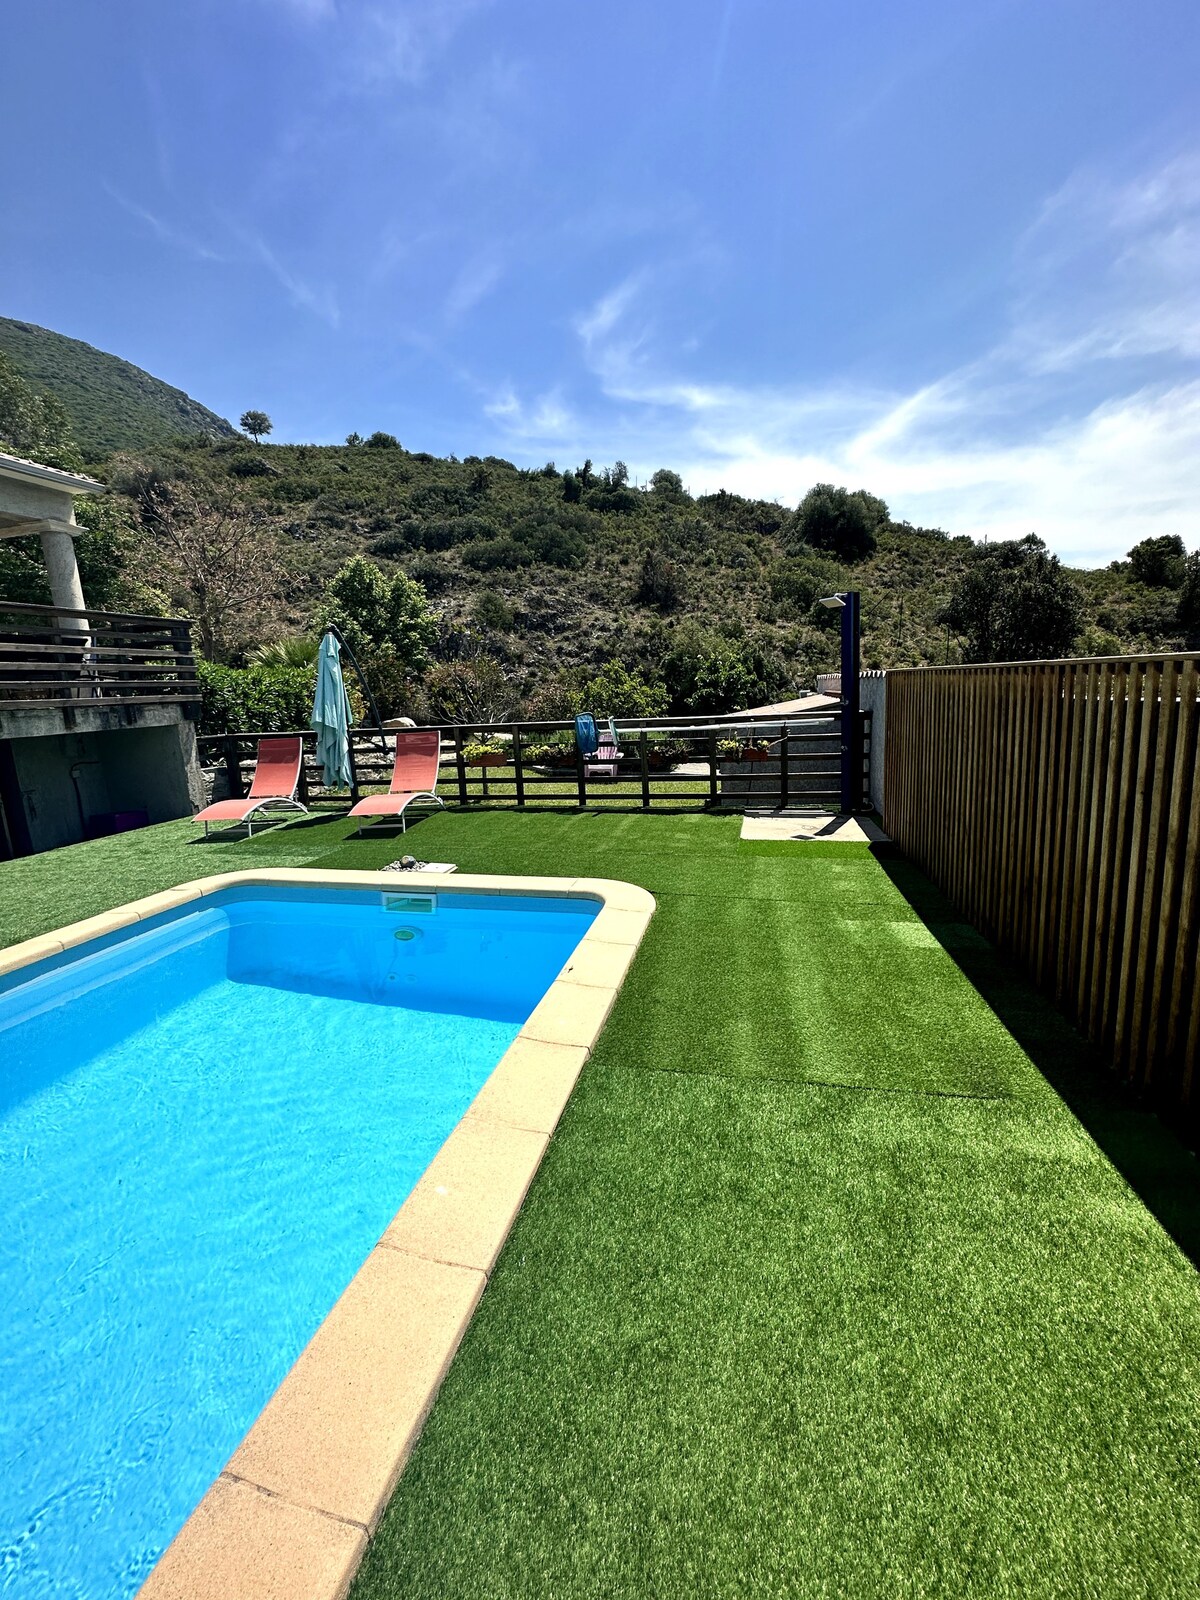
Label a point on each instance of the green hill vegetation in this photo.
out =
(477, 589)
(112, 404)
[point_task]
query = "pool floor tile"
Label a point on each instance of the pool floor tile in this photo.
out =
(336, 1433)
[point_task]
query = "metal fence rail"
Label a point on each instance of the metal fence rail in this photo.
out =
(1057, 803)
(799, 765)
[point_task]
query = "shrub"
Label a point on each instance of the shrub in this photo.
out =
(661, 582)
(487, 555)
(256, 699)
(382, 441)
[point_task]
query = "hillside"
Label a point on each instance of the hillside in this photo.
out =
(542, 574)
(557, 570)
(112, 404)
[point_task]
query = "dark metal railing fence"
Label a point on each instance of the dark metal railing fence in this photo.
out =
(667, 762)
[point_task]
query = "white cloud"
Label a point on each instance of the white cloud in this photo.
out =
(473, 282)
(1082, 423)
(546, 419)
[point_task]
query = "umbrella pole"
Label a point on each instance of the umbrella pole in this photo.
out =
(333, 628)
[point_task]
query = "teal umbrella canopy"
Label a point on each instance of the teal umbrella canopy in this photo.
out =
(331, 716)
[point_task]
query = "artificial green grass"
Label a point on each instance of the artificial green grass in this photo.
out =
(762, 1339)
(822, 1289)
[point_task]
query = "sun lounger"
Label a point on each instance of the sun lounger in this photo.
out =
(276, 774)
(414, 777)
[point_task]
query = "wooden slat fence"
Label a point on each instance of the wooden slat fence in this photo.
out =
(52, 658)
(1057, 804)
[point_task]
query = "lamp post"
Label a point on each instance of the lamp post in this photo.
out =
(851, 776)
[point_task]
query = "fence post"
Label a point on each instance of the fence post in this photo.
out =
(785, 750)
(461, 765)
(581, 775)
(353, 768)
(233, 766)
(712, 769)
(518, 763)
(644, 763)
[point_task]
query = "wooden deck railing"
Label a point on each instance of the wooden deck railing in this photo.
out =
(70, 659)
(1057, 804)
(801, 765)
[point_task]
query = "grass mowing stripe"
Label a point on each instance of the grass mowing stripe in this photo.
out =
(753, 1339)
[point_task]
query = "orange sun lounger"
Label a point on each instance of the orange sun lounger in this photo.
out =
(414, 777)
(276, 774)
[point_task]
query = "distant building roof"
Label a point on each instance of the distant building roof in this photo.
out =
(785, 708)
(50, 477)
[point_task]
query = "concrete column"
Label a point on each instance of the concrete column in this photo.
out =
(58, 549)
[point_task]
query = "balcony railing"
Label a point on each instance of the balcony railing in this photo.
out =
(82, 659)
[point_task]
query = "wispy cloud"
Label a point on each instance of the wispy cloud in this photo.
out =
(241, 246)
(179, 238)
(319, 299)
(1082, 423)
(400, 42)
(546, 419)
(472, 284)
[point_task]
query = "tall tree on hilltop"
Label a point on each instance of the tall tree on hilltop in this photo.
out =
(257, 424)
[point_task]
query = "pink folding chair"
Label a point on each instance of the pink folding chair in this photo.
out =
(414, 777)
(276, 775)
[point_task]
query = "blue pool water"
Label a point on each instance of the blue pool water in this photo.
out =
(205, 1126)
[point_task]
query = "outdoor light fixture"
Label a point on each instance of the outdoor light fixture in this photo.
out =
(851, 717)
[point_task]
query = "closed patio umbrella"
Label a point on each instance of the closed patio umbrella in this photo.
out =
(331, 716)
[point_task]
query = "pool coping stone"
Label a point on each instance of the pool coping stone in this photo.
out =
(289, 1516)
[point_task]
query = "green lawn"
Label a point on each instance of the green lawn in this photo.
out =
(844, 1275)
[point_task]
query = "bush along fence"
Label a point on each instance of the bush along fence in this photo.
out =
(1057, 804)
(666, 762)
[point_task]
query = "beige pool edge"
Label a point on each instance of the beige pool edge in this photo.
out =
(290, 1515)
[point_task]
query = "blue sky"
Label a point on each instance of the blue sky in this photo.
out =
(949, 252)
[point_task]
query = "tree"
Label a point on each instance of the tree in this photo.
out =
(383, 441)
(1189, 599)
(353, 439)
(666, 484)
(33, 424)
(572, 489)
(661, 582)
(1159, 563)
(257, 424)
(616, 691)
(471, 689)
(216, 559)
(492, 610)
(387, 624)
(713, 672)
(1015, 602)
(846, 523)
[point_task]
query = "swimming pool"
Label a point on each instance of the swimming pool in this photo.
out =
(206, 1122)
